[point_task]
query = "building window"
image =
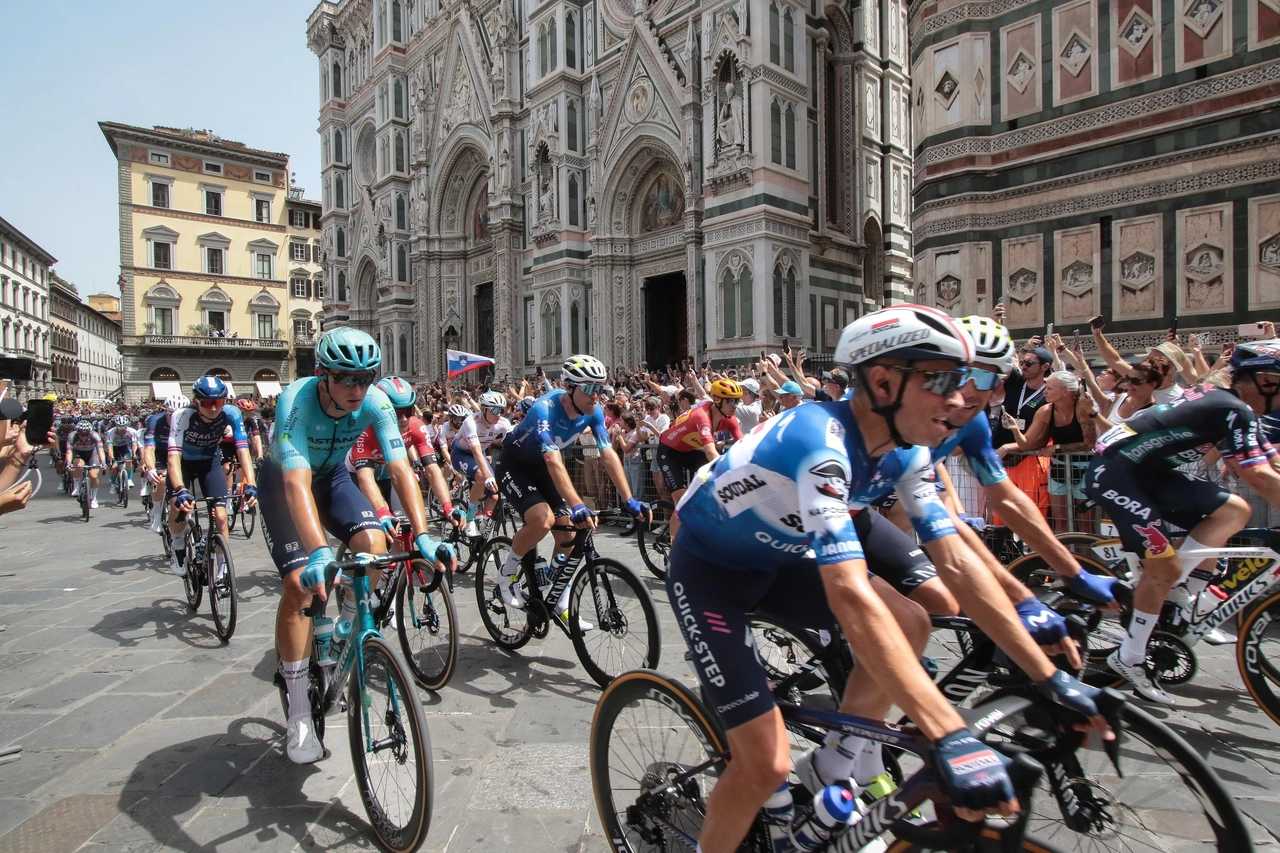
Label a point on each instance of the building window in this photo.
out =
(266, 325)
(571, 123)
(400, 152)
(298, 219)
(729, 300)
(775, 132)
(784, 301)
(791, 137)
(339, 196)
(158, 158)
(216, 318)
(163, 320)
(402, 264)
(775, 37)
(788, 42)
(552, 335)
(397, 98)
(212, 202)
(570, 42)
(162, 256)
(262, 265)
(213, 168)
(298, 251)
(213, 261)
(337, 146)
(573, 200)
(299, 288)
(159, 194)
(262, 177)
(402, 218)
(342, 286)
(337, 80)
(321, 291)
(342, 243)
(262, 210)
(396, 21)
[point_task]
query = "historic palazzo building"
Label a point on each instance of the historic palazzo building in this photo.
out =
(640, 179)
(1086, 157)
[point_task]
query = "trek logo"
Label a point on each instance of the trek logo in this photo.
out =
(834, 479)
(738, 488)
(1135, 452)
(1129, 504)
(1153, 539)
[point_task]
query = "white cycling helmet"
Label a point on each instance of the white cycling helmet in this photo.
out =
(176, 403)
(913, 332)
(991, 343)
(457, 410)
(583, 368)
(493, 400)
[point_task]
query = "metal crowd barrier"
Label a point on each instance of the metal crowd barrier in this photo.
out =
(597, 491)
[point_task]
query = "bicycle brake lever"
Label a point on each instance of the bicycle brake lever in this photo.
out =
(316, 607)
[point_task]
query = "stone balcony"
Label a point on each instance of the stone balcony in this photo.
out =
(198, 342)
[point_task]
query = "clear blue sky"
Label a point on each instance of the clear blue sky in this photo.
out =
(241, 69)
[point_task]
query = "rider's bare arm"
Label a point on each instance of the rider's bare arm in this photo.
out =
(559, 476)
(1263, 478)
(1023, 517)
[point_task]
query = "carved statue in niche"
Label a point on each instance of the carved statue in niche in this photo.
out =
(546, 191)
(499, 71)
(728, 122)
(504, 171)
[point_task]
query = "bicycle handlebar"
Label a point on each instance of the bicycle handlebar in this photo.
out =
(359, 565)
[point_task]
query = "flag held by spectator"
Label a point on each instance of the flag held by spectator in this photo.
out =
(461, 362)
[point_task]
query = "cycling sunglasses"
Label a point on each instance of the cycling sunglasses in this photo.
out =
(983, 380)
(405, 413)
(495, 410)
(353, 380)
(211, 404)
(591, 388)
(944, 383)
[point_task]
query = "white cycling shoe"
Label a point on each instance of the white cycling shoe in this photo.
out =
(583, 625)
(302, 746)
(509, 590)
(1144, 683)
(810, 778)
(93, 503)
(177, 564)
(157, 520)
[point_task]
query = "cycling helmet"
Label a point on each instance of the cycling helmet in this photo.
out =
(913, 332)
(458, 411)
(726, 389)
(176, 403)
(209, 388)
(349, 350)
(583, 368)
(84, 426)
(525, 405)
(398, 391)
(246, 405)
(67, 419)
(1256, 356)
(122, 420)
(493, 400)
(991, 343)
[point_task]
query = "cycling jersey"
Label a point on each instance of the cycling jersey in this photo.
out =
(692, 430)
(122, 437)
(63, 434)
(974, 440)
(197, 439)
(367, 453)
(84, 442)
(547, 427)
(306, 437)
(1169, 435)
(157, 435)
(475, 429)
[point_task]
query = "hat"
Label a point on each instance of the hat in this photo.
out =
(837, 376)
(790, 387)
(775, 358)
(751, 385)
(11, 409)
(1173, 353)
(1043, 354)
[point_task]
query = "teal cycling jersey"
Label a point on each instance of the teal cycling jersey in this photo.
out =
(306, 437)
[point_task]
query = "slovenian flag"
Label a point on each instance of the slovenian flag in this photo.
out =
(461, 362)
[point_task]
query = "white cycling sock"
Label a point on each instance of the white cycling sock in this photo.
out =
(175, 539)
(295, 682)
(834, 759)
(1133, 650)
(512, 564)
(869, 763)
(347, 611)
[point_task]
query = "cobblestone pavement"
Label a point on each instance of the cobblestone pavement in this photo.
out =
(141, 731)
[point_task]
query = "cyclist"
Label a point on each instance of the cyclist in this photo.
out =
(307, 491)
(690, 442)
(767, 528)
(473, 439)
(253, 427)
(65, 426)
(155, 455)
(193, 456)
(1135, 480)
(84, 449)
(454, 417)
(121, 443)
(533, 478)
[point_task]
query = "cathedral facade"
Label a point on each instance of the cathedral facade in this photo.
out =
(643, 180)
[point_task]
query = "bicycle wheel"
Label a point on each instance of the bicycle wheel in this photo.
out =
(248, 521)
(192, 580)
(122, 490)
(783, 649)
(464, 546)
(1258, 651)
(84, 496)
(222, 586)
(656, 753)
(1168, 799)
(988, 843)
(427, 625)
(390, 748)
(509, 626)
(624, 633)
(233, 511)
(655, 538)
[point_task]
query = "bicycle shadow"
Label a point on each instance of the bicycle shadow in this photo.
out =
(206, 793)
(479, 660)
(172, 620)
(117, 566)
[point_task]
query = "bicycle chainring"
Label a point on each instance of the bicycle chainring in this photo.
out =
(1170, 658)
(539, 619)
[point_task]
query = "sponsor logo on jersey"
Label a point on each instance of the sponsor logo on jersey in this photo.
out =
(834, 479)
(835, 434)
(1153, 539)
(395, 444)
(1134, 452)
(844, 547)
(738, 488)
(1127, 503)
(778, 544)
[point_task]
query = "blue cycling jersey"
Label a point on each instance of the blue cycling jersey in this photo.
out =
(197, 439)
(787, 487)
(306, 437)
(157, 435)
(974, 439)
(548, 427)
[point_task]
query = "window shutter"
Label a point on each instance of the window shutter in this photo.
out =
(306, 252)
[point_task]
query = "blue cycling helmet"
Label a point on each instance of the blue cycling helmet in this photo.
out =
(209, 388)
(348, 350)
(1255, 357)
(525, 405)
(398, 391)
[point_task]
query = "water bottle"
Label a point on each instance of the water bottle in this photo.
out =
(779, 809)
(561, 575)
(542, 571)
(324, 640)
(832, 807)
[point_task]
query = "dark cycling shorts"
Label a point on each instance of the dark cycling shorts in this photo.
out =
(712, 605)
(228, 450)
(526, 486)
(213, 482)
(678, 465)
(89, 457)
(465, 464)
(344, 511)
(122, 453)
(1143, 502)
(891, 554)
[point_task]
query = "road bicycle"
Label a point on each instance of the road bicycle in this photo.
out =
(209, 565)
(386, 726)
(609, 615)
(120, 485)
(503, 521)
(82, 493)
(417, 601)
(1122, 799)
(1246, 583)
(654, 538)
(246, 516)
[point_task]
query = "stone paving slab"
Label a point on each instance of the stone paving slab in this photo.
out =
(134, 715)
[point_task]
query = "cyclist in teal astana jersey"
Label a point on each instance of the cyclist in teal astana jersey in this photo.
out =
(307, 490)
(767, 529)
(1135, 480)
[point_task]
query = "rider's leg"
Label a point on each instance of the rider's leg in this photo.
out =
(364, 542)
(761, 761)
(674, 527)
(537, 523)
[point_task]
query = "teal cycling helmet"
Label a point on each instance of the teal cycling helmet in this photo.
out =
(398, 391)
(348, 350)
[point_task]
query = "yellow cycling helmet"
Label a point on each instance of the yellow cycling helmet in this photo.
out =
(726, 389)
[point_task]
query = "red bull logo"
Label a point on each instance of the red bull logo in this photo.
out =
(1153, 538)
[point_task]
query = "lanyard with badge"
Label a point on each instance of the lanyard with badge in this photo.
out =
(1023, 399)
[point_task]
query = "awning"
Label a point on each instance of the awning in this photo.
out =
(268, 389)
(231, 391)
(165, 390)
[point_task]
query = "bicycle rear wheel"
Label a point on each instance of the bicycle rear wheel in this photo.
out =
(192, 581)
(222, 587)
(510, 627)
(84, 496)
(624, 635)
(390, 748)
(122, 489)
(248, 521)
(1258, 653)
(427, 625)
(654, 538)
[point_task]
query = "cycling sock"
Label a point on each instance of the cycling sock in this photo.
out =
(869, 762)
(175, 539)
(834, 759)
(1189, 563)
(295, 682)
(512, 565)
(471, 511)
(347, 612)
(1133, 650)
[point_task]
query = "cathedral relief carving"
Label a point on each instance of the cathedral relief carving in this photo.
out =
(1264, 266)
(1201, 15)
(1023, 263)
(1075, 53)
(946, 88)
(731, 164)
(1135, 32)
(1205, 265)
(1021, 71)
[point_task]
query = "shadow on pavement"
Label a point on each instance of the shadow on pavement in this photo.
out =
(171, 617)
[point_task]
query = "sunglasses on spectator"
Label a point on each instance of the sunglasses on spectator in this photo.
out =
(1031, 362)
(211, 404)
(1133, 380)
(353, 380)
(944, 383)
(983, 380)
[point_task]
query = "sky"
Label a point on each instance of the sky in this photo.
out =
(238, 68)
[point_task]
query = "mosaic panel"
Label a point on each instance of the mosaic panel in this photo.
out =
(956, 279)
(1137, 268)
(1264, 22)
(946, 85)
(1023, 274)
(1078, 268)
(1204, 260)
(1264, 252)
(1020, 49)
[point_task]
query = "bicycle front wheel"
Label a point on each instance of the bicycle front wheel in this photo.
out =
(123, 485)
(1258, 653)
(509, 626)
(390, 748)
(612, 621)
(248, 521)
(427, 625)
(192, 582)
(84, 497)
(222, 587)
(655, 538)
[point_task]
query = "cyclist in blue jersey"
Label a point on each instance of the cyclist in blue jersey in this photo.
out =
(767, 529)
(533, 478)
(307, 491)
(193, 456)
(155, 456)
